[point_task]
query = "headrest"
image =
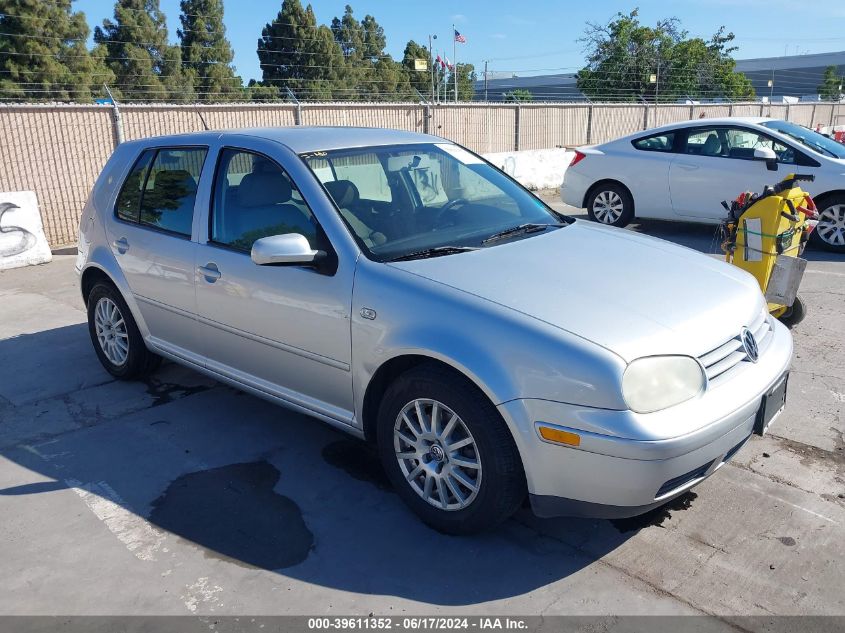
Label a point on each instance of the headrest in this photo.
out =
(261, 189)
(344, 192)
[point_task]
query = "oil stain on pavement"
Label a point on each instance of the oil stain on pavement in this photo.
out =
(655, 517)
(233, 513)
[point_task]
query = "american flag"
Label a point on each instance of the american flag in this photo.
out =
(460, 38)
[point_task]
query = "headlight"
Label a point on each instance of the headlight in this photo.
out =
(659, 382)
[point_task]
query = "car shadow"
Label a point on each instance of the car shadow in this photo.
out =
(234, 478)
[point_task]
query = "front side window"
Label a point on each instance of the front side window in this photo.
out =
(738, 143)
(400, 200)
(161, 189)
(254, 198)
(657, 143)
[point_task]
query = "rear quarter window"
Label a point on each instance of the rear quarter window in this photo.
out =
(656, 143)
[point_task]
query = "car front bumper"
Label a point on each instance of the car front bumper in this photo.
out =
(609, 476)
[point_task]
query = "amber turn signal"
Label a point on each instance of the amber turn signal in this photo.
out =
(559, 437)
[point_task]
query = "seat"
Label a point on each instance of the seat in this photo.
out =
(348, 200)
(262, 209)
(712, 146)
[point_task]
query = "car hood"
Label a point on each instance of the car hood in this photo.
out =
(632, 294)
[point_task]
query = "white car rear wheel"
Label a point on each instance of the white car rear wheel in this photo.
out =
(610, 203)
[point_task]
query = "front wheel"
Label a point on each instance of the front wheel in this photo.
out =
(610, 204)
(830, 231)
(448, 453)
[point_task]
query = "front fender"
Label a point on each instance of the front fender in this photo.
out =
(508, 355)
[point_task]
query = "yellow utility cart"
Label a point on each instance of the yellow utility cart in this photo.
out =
(765, 234)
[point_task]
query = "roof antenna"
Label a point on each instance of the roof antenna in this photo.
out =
(199, 114)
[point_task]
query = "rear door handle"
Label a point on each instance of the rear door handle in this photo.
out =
(122, 245)
(687, 166)
(210, 272)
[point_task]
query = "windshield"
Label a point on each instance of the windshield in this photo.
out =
(808, 138)
(401, 201)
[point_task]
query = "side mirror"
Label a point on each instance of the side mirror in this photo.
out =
(281, 250)
(767, 154)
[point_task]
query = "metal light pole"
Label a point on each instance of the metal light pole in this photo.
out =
(485, 79)
(431, 62)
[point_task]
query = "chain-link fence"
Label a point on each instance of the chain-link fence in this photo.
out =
(58, 150)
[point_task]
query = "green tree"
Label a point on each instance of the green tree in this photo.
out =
(627, 61)
(466, 82)
(206, 52)
(831, 86)
(145, 66)
(417, 79)
(295, 53)
(519, 95)
(368, 72)
(43, 53)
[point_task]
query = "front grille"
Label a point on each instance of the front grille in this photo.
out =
(720, 361)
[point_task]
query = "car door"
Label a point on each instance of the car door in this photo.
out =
(150, 235)
(282, 330)
(717, 163)
(647, 175)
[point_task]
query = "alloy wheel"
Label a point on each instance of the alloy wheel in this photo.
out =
(437, 454)
(111, 331)
(608, 207)
(831, 226)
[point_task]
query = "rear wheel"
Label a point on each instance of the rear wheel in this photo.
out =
(115, 335)
(830, 231)
(610, 203)
(447, 451)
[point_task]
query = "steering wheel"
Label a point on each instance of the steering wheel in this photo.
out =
(449, 206)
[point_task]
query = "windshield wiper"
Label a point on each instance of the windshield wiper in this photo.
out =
(529, 227)
(436, 251)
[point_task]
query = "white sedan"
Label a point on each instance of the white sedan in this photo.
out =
(683, 172)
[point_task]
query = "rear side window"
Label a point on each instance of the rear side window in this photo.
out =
(656, 143)
(161, 189)
(128, 205)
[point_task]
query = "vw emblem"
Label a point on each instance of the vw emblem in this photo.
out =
(750, 344)
(437, 453)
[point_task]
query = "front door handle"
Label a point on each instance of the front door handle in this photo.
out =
(688, 166)
(121, 245)
(210, 272)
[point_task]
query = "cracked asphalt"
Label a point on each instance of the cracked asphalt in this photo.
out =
(179, 495)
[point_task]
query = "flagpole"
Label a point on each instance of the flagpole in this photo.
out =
(455, 61)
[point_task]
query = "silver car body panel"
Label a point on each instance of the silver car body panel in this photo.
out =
(543, 325)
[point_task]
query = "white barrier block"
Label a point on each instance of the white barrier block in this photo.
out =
(22, 239)
(534, 168)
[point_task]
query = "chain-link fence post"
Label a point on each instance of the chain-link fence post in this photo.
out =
(297, 117)
(589, 123)
(517, 115)
(117, 121)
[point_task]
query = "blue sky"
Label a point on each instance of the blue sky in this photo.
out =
(534, 37)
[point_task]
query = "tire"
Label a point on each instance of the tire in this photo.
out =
(830, 232)
(119, 331)
(795, 313)
(610, 203)
(499, 479)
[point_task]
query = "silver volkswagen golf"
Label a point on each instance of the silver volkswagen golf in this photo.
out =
(402, 289)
